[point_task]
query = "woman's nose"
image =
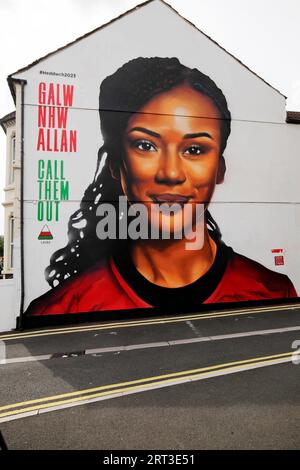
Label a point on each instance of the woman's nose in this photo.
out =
(170, 169)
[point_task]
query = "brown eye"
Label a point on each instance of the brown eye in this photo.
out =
(193, 150)
(144, 146)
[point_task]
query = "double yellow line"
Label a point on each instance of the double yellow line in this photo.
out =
(156, 321)
(33, 407)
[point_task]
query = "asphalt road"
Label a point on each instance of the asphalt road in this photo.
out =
(189, 384)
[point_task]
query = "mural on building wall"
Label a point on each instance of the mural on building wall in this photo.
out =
(143, 235)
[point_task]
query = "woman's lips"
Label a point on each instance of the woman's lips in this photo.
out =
(170, 198)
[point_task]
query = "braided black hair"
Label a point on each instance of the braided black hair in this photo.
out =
(122, 94)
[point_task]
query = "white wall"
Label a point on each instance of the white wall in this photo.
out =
(7, 312)
(10, 290)
(156, 30)
(8, 204)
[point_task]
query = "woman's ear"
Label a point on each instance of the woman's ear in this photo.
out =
(221, 170)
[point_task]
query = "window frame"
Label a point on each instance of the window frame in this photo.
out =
(11, 229)
(12, 158)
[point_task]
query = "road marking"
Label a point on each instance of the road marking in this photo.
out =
(59, 402)
(155, 321)
(132, 347)
(193, 328)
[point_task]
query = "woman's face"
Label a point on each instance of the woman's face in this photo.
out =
(172, 153)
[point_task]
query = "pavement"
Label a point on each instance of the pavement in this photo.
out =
(226, 380)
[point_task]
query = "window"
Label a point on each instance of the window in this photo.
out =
(11, 243)
(12, 159)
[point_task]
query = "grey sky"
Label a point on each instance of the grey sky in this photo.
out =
(264, 34)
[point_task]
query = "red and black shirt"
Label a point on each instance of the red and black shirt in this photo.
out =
(115, 284)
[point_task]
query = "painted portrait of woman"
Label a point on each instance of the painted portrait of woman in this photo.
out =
(165, 129)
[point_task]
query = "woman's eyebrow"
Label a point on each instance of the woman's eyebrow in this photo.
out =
(158, 136)
(146, 131)
(197, 134)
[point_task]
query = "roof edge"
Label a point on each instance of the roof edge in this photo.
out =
(223, 49)
(127, 12)
(10, 76)
(293, 117)
(5, 119)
